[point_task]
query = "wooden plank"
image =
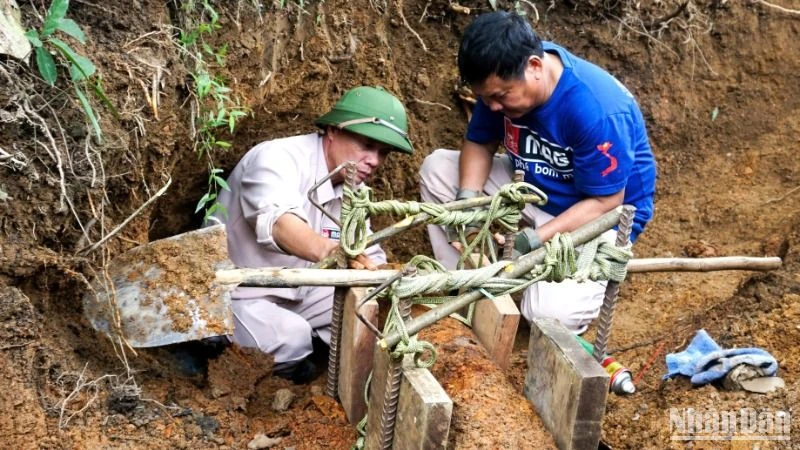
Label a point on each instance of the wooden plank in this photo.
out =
(566, 385)
(423, 413)
(355, 353)
(495, 323)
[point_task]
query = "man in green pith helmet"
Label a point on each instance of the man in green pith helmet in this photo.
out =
(271, 222)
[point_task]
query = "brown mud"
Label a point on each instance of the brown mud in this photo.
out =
(716, 83)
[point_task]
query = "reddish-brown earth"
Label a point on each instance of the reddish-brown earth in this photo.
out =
(717, 85)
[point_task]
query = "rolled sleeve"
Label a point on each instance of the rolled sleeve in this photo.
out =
(265, 222)
(271, 187)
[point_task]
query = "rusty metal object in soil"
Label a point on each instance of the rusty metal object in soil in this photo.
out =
(490, 411)
(164, 292)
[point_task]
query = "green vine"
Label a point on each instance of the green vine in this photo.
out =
(214, 108)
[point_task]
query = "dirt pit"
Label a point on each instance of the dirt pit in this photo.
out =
(715, 80)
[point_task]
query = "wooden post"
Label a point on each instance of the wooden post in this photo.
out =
(424, 410)
(495, 323)
(282, 277)
(566, 385)
(355, 360)
(423, 413)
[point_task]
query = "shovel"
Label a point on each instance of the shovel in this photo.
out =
(164, 292)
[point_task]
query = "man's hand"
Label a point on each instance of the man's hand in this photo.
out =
(360, 262)
(470, 230)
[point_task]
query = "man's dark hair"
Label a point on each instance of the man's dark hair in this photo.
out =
(498, 43)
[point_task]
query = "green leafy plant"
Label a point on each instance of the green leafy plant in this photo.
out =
(81, 69)
(211, 197)
(216, 110)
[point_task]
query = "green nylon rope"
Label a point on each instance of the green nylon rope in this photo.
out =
(359, 206)
(598, 260)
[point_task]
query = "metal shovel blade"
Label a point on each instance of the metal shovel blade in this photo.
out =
(163, 292)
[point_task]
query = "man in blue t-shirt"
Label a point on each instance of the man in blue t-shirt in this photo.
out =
(575, 131)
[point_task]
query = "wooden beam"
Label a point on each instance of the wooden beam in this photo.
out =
(423, 413)
(566, 385)
(495, 323)
(355, 353)
(280, 277)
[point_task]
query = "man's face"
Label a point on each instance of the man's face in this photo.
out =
(516, 97)
(366, 153)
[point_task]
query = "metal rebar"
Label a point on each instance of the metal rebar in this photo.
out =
(517, 269)
(392, 392)
(606, 317)
(312, 193)
(337, 312)
(407, 271)
(508, 248)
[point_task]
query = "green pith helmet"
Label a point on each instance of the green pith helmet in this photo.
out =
(371, 112)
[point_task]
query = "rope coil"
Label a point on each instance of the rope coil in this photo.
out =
(598, 260)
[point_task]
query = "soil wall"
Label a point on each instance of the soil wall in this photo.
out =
(715, 80)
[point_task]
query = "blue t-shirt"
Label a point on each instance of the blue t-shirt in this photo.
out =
(588, 139)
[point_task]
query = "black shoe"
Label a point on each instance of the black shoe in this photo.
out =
(304, 372)
(191, 358)
(319, 355)
(186, 361)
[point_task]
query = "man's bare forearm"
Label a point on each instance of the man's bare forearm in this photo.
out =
(295, 237)
(580, 214)
(474, 165)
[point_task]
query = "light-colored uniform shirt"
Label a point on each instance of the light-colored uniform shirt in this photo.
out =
(273, 179)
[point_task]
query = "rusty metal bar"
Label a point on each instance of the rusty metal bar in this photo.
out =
(606, 317)
(339, 293)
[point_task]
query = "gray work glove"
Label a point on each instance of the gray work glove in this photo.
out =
(526, 241)
(452, 231)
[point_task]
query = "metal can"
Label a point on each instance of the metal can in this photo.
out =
(621, 379)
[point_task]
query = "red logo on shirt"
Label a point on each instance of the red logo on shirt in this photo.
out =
(331, 233)
(511, 141)
(603, 148)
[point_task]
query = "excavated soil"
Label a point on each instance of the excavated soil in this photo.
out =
(716, 81)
